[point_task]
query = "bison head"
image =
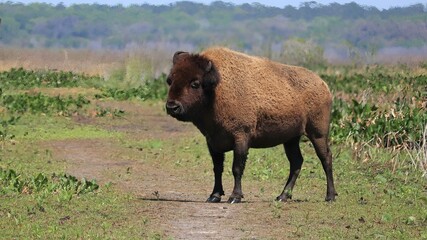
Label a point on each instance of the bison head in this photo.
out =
(192, 82)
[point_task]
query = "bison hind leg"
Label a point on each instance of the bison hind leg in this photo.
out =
(324, 153)
(293, 153)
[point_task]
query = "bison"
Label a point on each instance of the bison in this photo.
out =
(239, 102)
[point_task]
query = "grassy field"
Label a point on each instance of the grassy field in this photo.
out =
(95, 157)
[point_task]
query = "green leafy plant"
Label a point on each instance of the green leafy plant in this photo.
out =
(66, 185)
(399, 125)
(19, 78)
(371, 107)
(39, 103)
(5, 124)
(378, 80)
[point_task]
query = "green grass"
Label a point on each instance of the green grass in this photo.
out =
(103, 214)
(39, 201)
(56, 128)
(375, 200)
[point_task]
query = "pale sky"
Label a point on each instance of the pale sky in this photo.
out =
(380, 4)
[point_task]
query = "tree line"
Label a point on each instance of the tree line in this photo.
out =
(245, 26)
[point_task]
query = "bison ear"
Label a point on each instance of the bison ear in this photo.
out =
(178, 56)
(208, 66)
(211, 77)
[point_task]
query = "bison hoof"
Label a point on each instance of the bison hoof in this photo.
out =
(330, 198)
(281, 199)
(234, 200)
(213, 199)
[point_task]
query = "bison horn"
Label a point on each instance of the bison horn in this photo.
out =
(178, 55)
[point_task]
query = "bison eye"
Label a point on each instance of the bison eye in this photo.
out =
(169, 81)
(195, 84)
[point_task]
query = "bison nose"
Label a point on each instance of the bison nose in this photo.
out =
(174, 107)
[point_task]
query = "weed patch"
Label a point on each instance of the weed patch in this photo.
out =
(5, 133)
(104, 112)
(63, 184)
(397, 125)
(39, 103)
(19, 78)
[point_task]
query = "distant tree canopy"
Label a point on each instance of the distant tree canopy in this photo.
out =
(247, 26)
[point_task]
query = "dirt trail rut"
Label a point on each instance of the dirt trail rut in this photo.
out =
(173, 199)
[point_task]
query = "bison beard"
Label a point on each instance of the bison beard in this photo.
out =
(240, 102)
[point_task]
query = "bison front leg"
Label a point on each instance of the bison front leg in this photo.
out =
(239, 161)
(218, 162)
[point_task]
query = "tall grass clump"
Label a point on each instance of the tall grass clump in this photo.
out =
(423, 153)
(420, 157)
(302, 52)
(134, 71)
(134, 80)
(154, 89)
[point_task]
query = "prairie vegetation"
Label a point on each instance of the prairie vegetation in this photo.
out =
(378, 135)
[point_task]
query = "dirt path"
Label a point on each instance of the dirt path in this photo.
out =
(174, 199)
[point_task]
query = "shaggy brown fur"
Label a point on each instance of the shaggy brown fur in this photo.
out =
(239, 101)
